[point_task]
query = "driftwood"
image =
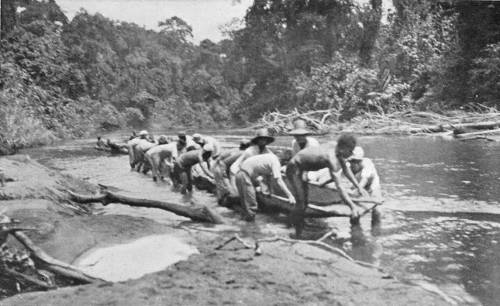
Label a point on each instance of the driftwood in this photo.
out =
(455, 127)
(199, 213)
(258, 250)
(479, 133)
(52, 264)
(27, 278)
(279, 123)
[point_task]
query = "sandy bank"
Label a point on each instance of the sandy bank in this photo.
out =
(284, 275)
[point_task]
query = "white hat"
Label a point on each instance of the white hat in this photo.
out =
(196, 136)
(357, 154)
(143, 133)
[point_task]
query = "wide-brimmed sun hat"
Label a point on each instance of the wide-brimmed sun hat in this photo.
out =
(262, 133)
(357, 154)
(299, 128)
(143, 133)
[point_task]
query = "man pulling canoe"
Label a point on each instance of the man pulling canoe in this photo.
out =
(221, 171)
(140, 150)
(314, 159)
(366, 174)
(204, 140)
(186, 143)
(182, 167)
(258, 146)
(266, 166)
(131, 146)
(162, 155)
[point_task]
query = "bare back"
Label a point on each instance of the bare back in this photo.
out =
(316, 158)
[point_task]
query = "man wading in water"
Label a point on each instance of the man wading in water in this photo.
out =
(314, 159)
(182, 167)
(131, 146)
(222, 174)
(366, 174)
(258, 146)
(266, 166)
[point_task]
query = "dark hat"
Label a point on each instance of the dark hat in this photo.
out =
(262, 133)
(162, 139)
(299, 128)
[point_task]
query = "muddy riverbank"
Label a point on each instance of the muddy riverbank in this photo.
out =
(284, 274)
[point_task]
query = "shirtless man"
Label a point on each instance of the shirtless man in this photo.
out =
(221, 171)
(316, 158)
(131, 145)
(162, 155)
(266, 166)
(301, 136)
(182, 167)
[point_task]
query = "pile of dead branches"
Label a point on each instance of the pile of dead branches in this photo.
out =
(29, 268)
(280, 124)
(474, 121)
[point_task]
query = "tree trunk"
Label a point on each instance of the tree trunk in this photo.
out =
(458, 126)
(199, 213)
(53, 264)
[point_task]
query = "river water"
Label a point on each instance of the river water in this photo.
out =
(441, 218)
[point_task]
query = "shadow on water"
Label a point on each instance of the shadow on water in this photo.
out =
(441, 221)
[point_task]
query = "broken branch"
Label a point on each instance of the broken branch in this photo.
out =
(53, 264)
(200, 213)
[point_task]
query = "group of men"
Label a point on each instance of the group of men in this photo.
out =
(239, 172)
(171, 159)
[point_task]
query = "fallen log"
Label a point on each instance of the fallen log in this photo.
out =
(27, 278)
(52, 264)
(199, 213)
(455, 126)
(479, 133)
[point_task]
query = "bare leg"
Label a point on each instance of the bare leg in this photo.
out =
(299, 190)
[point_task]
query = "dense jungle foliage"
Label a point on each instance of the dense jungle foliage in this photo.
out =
(63, 78)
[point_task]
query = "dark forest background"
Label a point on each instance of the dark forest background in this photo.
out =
(64, 79)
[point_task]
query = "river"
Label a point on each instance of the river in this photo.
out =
(441, 219)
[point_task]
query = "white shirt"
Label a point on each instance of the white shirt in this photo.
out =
(369, 172)
(249, 152)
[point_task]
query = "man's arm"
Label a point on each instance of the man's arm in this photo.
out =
(276, 173)
(343, 194)
(235, 167)
(205, 169)
(281, 183)
(350, 176)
